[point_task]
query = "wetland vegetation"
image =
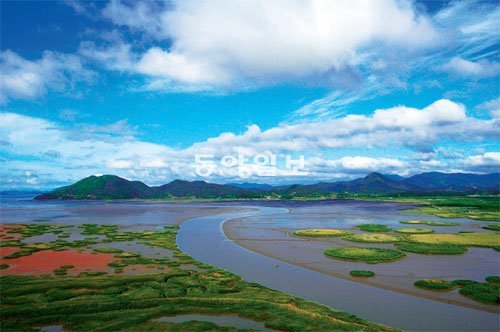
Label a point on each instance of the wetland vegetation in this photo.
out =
(367, 255)
(465, 239)
(429, 223)
(374, 228)
(487, 292)
(321, 232)
(93, 300)
(432, 248)
(372, 238)
(362, 273)
(494, 227)
(414, 230)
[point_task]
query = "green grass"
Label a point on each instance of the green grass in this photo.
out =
(459, 212)
(96, 301)
(414, 230)
(436, 284)
(477, 207)
(374, 228)
(372, 238)
(367, 255)
(4, 266)
(362, 273)
(486, 292)
(108, 250)
(429, 223)
(312, 232)
(431, 248)
(464, 282)
(465, 239)
(493, 279)
(495, 228)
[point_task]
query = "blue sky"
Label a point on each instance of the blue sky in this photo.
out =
(139, 89)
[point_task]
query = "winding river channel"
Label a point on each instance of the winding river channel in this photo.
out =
(203, 238)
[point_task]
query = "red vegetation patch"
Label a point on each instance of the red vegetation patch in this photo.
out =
(4, 231)
(7, 251)
(44, 262)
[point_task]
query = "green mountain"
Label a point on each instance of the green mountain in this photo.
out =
(372, 183)
(454, 181)
(180, 188)
(100, 187)
(114, 187)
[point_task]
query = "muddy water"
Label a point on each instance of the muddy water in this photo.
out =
(272, 235)
(204, 239)
(130, 215)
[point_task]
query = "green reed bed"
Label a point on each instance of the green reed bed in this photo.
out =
(366, 255)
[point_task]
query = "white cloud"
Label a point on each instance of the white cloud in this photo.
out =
(26, 79)
(488, 157)
(176, 67)
(398, 126)
(491, 106)
(117, 56)
(486, 162)
(481, 68)
(141, 16)
(356, 165)
(73, 151)
(219, 44)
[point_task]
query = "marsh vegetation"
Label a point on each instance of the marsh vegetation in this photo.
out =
(429, 223)
(321, 232)
(362, 254)
(487, 292)
(414, 230)
(372, 238)
(374, 228)
(93, 300)
(432, 248)
(362, 273)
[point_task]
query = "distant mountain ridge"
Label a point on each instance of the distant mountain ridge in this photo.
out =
(114, 187)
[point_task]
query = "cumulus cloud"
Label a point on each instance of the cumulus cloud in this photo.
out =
(26, 79)
(100, 150)
(402, 126)
(218, 44)
(77, 150)
(358, 165)
(140, 16)
(487, 162)
(491, 106)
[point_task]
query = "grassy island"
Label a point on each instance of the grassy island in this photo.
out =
(372, 238)
(374, 228)
(466, 239)
(313, 232)
(487, 292)
(432, 248)
(362, 273)
(414, 230)
(429, 223)
(366, 255)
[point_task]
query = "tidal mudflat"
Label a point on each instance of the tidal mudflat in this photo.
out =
(144, 264)
(276, 236)
(88, 285)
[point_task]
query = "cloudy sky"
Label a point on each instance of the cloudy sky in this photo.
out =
(138, 89)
